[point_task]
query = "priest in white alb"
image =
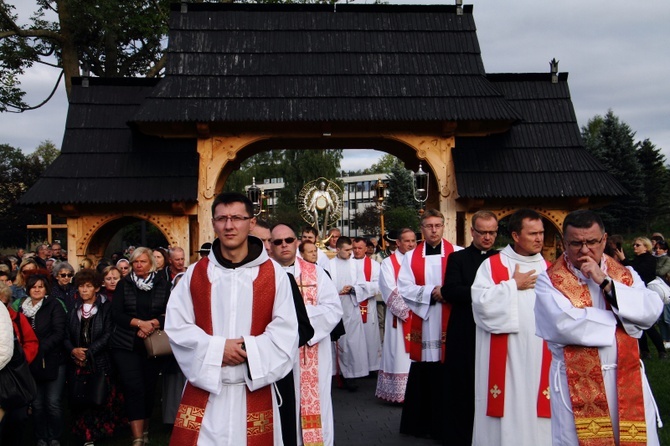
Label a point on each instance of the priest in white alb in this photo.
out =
(511, 364)
(233, 330)
(591, 310)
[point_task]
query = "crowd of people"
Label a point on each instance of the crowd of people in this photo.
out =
(480, 347)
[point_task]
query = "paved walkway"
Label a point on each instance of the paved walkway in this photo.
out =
(361, 419)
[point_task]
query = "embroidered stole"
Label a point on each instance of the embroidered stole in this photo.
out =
(367, 272)
(407, 324)
(310, 402)
(585, 377)
(259, 403)
(498, 361)
(418, 265)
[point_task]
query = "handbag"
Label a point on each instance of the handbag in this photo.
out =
(17, 385)
(88, 388)
(157, 344)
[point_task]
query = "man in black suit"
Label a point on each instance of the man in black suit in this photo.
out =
(459, 364)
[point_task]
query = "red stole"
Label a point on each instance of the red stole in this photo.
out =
(407, 325)
(418, 265)
(585, 377)
(310, 402)
(259, 403)
(367, 271)
(498, 361)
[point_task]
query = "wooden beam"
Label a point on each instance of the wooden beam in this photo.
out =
(49, 227)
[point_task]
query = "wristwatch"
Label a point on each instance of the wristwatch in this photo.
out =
(604, 284)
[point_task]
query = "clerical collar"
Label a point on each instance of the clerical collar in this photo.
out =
(255, 246)
(430, 251)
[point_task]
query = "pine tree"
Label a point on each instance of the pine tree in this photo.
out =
(611, 141)
(656, 184)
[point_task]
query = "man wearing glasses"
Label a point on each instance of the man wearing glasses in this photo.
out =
(459, 366)
(591, 310)
(511, 362)
(419, 283)
(314, 369)
(233, 330)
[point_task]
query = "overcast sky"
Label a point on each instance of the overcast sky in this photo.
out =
(616, 53)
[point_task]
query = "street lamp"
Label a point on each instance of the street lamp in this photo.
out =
(255, 195)
(421, 187)
(379, 198)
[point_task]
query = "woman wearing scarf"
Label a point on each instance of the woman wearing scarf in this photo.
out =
(138, 308)
(87, 342)
(47, 317)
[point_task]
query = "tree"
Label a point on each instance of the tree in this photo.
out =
(656, 184)
(612, 143)
(20, 173)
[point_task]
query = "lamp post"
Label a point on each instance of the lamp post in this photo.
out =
(255, 195)
(420, 185)
(379, 199)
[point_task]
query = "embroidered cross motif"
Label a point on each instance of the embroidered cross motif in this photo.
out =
(189, 417)
(364, 310)
(258, 423)
(594, 427)
(495, 391)
(546, 393)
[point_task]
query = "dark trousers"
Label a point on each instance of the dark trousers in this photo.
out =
(655, 337)
(138, 378)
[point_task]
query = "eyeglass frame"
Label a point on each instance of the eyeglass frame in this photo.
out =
(280, 241)
(234, 219)
(64, 275)
(483, 233)
(435, 226)
(590, 244)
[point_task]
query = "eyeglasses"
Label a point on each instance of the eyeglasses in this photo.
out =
(64, 275)
(576, 245)
(279, 241)
(491, 233)
(234, 219)
(437, 226)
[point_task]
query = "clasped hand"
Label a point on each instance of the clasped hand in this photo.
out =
(146, 328)
(234, 352)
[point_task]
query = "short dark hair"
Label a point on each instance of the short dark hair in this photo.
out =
(662, 244)
(260, 223)
(34, 278)
(311, 230)
(515, 223)
(233, 197)
(359, 239)
(583, 219)
(343, 240)
(88, 276)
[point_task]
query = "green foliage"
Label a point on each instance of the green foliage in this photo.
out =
(656, 184)
(368, 221)
(401, 217)
(20, 173)
(400, 187)
(612, 143)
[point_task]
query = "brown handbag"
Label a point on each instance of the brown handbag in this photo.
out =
(157, 344)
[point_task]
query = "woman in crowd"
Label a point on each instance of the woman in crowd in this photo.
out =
(63, 288)
(47, 317)
(111, 277)
(138, 310)
(161, 258)
(6, 345)
(644, 263)
(124, 266)
(14, 422)
(26, 268)
(86, 263)
(87, 342)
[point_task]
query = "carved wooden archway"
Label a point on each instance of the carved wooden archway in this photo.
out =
(216, 153)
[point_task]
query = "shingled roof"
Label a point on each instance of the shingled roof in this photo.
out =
(540, 157)
(264, 64)
(104, 161)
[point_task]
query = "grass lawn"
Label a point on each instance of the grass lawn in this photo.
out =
(658, 373)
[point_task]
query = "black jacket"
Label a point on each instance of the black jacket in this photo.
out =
(49, 325)
(125, 308)
(101, 330)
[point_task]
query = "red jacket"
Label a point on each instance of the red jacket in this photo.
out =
(25, 334)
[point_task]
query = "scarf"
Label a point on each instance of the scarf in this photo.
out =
(145, 284)
(30, 310)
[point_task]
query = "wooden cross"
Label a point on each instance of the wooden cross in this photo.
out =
(49, 227)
